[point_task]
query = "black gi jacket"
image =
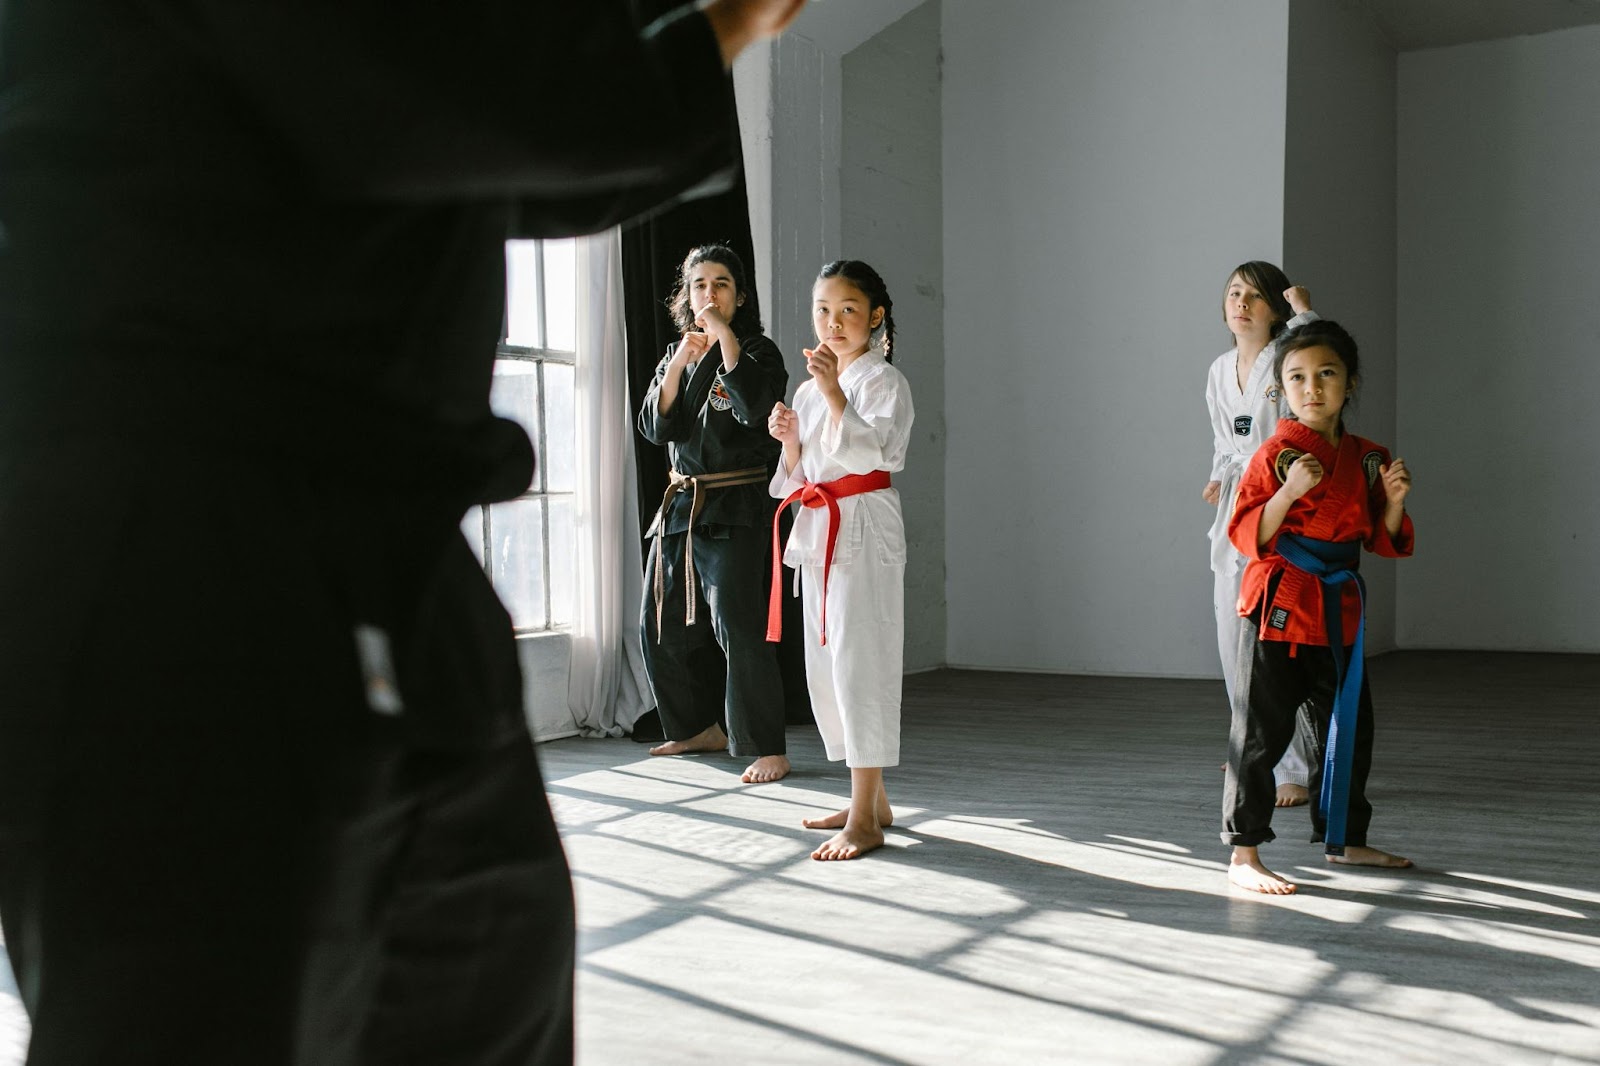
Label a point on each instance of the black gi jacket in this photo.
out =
(281, 225)
(718, 424)
(252, 277)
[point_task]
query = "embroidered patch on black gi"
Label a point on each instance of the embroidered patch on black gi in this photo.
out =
(720, 400)
(1284, 461)
(1372, 466)
(1279, 619)
(1241, 425)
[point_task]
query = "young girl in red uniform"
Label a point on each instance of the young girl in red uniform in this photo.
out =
(1311, 498)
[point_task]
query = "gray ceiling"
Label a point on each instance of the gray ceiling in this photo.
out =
(1411, 24)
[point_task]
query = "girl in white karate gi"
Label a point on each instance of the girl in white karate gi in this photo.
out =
(1245, 403)
(848, 430)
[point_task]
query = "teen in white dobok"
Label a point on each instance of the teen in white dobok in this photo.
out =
(1245, 403)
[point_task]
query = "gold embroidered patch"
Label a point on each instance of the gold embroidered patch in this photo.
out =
(1285, 460)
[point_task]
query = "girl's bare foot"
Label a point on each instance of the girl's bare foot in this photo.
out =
(1365, 856)
(1290, 795)
(711, 738)
(851, 842)
(766, 768)
(1246, 870)
(837, 821)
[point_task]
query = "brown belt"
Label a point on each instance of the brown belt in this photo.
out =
(694, 483)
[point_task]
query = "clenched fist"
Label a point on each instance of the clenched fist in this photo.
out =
(784, 424)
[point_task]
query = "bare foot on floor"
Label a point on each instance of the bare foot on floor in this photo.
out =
(1364, 856)
(1292, 796)
(766, 768)
(851, 842)
(837, 821)
(1252, 875)
(711, 738)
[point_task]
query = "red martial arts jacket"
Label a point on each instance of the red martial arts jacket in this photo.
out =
(1347, 504)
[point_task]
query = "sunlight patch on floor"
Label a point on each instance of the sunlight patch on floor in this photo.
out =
(717, 841)
(671, 875)
(843, 920)
(1206, 987)
(846, 990)
(1573, 948)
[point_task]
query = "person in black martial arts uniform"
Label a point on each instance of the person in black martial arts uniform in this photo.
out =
(267, 794)
(707, 557)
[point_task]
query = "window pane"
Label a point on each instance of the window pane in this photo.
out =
(514, 394)
(561, 295)
(563, 561)
(522, 295)
(560, 456)
(472, 529)
(516, 532)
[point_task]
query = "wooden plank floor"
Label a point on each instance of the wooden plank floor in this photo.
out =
(1054, 890)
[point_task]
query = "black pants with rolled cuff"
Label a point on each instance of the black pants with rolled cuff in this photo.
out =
(731, 610)
(1279, 678)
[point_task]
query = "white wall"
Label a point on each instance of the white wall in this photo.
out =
(794, 119)
(1103, 170)
(1339, 219)
(892, 209)
(1499, 333)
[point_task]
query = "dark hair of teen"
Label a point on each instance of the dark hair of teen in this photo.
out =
(871, 285)
(1270, 282)
(1322, 333)
(746, 317)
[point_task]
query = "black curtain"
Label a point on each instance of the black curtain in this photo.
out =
(651, 252)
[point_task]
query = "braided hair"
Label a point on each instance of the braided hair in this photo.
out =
(871, 285)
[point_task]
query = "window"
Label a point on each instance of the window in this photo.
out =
(526, 544)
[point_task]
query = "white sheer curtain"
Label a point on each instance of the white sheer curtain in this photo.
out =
(607, 689)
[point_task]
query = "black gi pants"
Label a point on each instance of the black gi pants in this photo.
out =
(213, 849)
(1263, 725)
(731, 609)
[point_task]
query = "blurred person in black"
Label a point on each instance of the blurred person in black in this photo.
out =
(266, 789)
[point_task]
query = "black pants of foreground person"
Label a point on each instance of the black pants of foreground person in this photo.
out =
(1277, 683)
(221, 841)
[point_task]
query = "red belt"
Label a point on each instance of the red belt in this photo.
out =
(816, 494)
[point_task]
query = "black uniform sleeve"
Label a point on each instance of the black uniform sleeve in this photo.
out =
(568, 106)
(675, 425)
(757, 381)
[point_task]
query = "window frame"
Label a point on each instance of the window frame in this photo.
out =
(539, 489)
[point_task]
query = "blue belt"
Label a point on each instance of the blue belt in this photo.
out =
(1333, 563)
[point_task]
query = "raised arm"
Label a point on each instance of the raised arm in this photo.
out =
(756, 381)
(662, 418)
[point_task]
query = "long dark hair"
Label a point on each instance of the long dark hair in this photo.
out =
(746, 316)
(871, 284)
(1270, 282)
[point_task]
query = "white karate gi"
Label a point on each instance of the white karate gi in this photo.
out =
(1260, 403)
(855, 678)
